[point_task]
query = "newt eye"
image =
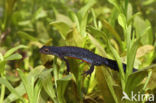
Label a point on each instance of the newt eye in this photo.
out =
(46, 50)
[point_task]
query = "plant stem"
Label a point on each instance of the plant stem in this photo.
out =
(148, 78)
(2, 93)
(126, 6)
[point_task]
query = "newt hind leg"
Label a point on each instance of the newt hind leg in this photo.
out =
(89, 71)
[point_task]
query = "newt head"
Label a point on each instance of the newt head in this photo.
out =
(45, 50)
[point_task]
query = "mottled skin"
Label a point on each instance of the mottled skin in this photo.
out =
(82, 54)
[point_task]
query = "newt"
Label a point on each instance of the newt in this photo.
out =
(82, 54)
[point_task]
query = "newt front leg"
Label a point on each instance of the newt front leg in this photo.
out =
(90, 70)
(66, 61)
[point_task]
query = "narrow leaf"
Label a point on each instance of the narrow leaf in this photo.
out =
(15, 56)
(10, 87)
(122, 20)
(12, 50)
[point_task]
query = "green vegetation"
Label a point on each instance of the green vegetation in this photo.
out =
(117, 29)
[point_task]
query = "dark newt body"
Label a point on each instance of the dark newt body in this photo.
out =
(82, 54)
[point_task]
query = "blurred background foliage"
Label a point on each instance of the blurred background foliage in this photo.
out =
(117, 29)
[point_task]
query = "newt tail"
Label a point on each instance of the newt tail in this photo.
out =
(82, 54)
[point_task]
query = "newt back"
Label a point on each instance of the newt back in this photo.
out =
(83, 54)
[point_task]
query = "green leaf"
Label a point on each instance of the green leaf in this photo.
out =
(10, 87)
(83, 16)
(2, 66)
(97, 45)
(83, 11)
(148, 2)
(129, 11)
(24, 23)
(76, 20)
(130, 19)
(63, 18)
(94, 18)
(143, 50)
(92, 83)
(36, 72)
(148, 68)
(29, 86)
(62, 28)
(112, 31)
(83, 24)
(122, 20)
(131, 53)
(1, 57)
(105, 83)
(12, 50)
(143, 27)
(2, 63)
(134, 80)
(117, 58)
(42, 31)
(32, 86)
(37, 90)
(152, 80)
(48, 84)
(40, 13)
(74, 38)
(115, 3)
(26, 36)
(12, 97)
(15, 56)
(94, 31)
(61, 87)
